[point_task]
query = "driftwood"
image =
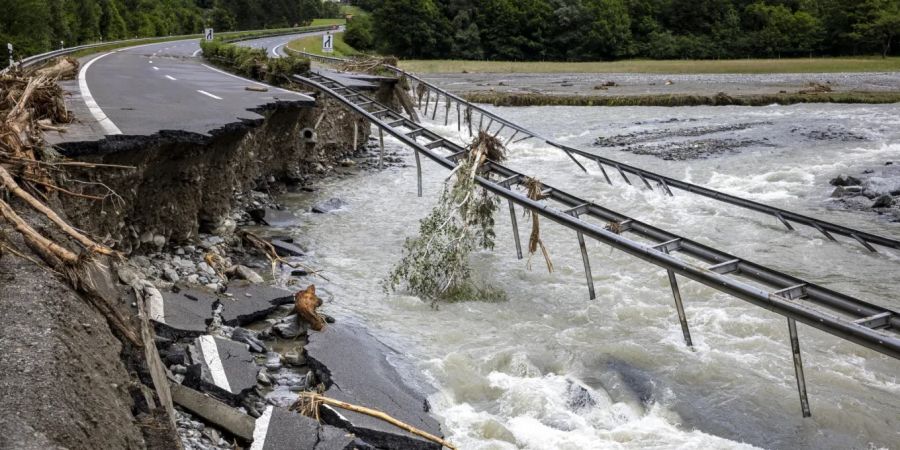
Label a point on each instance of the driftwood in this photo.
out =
(309, 402)
(535, 188)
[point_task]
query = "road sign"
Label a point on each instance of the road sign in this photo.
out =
(328, 43)
(208, 34)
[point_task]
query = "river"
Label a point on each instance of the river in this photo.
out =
(551, 369)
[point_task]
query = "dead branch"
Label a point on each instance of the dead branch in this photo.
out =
(312, 401)
(269, 250)
(13, 187)
(535, 188)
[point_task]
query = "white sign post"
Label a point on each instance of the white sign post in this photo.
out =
(208, 34)
(10, 48)
(328, 43)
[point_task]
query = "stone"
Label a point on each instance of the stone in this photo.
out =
(328, 206)
(290, 327)
(246, 273)
(263, 378)
(845, 180)
(273, 361)
(178, 369)
(225, 227)
(205, 268)
(286, 248)
(171, 275)
(274, 217)
(248, 337)
(885, 201)
(336, 356)
(127, 275)
(294, 358)
(159, 241)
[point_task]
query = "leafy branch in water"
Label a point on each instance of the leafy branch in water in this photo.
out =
(435, 265)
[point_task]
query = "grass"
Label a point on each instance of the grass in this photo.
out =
(313, 44)
(355, 10)
(796, 65)
(326, 22)
(525, 99)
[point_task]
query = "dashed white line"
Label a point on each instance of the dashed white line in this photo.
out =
(214, 362)
(261, 429)
(171, 78)
(151, 62)
(209, 95)
(108, 126)
(250, 81)
(155, 68)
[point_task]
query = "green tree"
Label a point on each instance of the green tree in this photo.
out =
(359, 33)
(881, 23)
(410, 28)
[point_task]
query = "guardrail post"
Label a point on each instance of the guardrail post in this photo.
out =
(427, 99)
(458, 119)
(381, 155)
(587, 265)
(515, 227)
(798, 367)
(418, 171)
(604, 172)
(447, 112)
(682, 317)
(437, 99)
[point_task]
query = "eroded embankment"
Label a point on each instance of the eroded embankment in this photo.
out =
(66, 379)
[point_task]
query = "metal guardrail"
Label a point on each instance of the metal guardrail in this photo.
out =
(841, 315)
(786, 217)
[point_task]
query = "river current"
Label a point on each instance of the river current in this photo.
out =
(551, 369)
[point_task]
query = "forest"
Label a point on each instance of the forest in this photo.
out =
(36, 26)
(579, 30)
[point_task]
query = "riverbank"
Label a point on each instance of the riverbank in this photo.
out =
(738, 66)
(635, 89)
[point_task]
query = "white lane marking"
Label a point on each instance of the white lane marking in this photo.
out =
(171, 78)
(275, 49)
(214, 362)
(156, 307)
(209, 95)
(196, 52)
(108, 126)
(261, 429)
(155, 68)
(151, 62)
(250, 81)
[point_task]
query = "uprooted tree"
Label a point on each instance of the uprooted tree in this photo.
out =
(31, 102)
(436, 263)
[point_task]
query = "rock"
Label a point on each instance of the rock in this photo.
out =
(838, 192)
(336, 356)
(246, 273)
(205, 268)
(225, 227)
(328, 206)
(290, 327)
(263, 378)
(845, 180)
(248, 337)
(127, 275)
(224, 366)
(284, 248)
(885, 201)
(299, 273)
(171, 275)
(294, 358)
(192, 279)
(159, 241)
(273, 361)
(274, 217)
(178, 369)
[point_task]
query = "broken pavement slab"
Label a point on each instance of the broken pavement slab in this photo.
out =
(189, 311)
(275, 217)
(214, 411)
(224, 365)
(354, 366)
(280, 429)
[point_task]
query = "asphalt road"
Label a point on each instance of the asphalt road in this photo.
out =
(168, 86)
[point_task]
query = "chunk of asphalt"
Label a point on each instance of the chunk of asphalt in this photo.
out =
(336, 355)
(249, 302)
(225, 366)
(280, 429)
(189, 311)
